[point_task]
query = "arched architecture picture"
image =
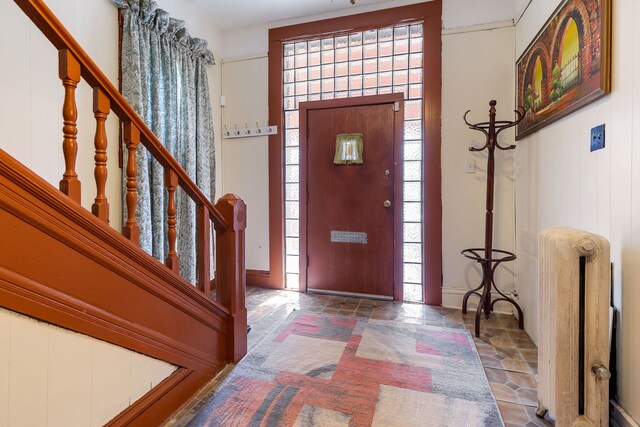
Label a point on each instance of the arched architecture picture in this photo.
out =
(567, 64)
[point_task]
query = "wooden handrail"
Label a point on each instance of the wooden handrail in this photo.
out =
(58, 35)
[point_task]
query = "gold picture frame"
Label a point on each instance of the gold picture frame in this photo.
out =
(567, 65)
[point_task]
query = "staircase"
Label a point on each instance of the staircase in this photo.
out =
(66, 266)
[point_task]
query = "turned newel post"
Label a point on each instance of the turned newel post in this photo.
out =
(171, 182)
(101, 108)
(69, 73)
(131, 230)
(230, 272)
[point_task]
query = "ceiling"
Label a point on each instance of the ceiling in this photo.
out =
(228, 14)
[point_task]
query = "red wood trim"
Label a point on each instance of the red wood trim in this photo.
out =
(430, 13)
(163, 401)
(304, 109)
(171, 182)
(358, 22)
(303, 118)
(69, 72)
(389, 98)
(276, 168)
(432, 172)
(59, 264)
(398, 199)
(131, 229)
(260, 279)
(101, 109)
(58, 35)
(204, 247)
(230, 270)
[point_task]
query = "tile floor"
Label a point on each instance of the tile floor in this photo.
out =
(508, 354)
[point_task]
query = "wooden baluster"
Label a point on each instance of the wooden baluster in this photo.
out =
(69, 73)
(131, 230)
(204, 250)
(231, 274)
(171, 182)
(101, 109)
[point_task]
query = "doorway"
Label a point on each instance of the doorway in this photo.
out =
(351, 209)
(374, 53)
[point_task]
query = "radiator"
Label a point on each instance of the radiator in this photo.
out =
(573, 314)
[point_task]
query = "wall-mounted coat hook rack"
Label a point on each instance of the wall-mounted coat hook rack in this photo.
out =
(246, 131)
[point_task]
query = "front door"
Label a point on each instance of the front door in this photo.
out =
(351, 206)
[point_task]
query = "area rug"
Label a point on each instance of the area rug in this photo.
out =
(325, 370)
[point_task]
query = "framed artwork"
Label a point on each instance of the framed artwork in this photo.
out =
(567, 65)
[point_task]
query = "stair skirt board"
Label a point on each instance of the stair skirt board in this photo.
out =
(60, 264)
(163, 401)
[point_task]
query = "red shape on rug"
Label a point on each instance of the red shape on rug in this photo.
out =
(452, 337)
(423, 347)
(354, 386)
(317, 326)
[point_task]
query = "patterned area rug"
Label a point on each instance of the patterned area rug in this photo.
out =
(323, 370)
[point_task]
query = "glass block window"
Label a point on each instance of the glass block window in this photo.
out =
(373, 62)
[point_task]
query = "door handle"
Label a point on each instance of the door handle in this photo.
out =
(387, 204)
(387, 173)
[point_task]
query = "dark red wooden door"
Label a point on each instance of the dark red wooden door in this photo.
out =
(350, 208)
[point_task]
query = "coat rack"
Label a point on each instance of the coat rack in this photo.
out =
(246, 131)
(489, 257)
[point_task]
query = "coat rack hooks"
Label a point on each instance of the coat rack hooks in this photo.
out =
(246, 131)
(493, 127)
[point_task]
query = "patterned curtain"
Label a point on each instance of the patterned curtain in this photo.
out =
(164, 78)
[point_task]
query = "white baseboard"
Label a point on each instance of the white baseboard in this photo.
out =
(452, 298)
(619, 417)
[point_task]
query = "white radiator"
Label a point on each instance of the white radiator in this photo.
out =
(575, 273)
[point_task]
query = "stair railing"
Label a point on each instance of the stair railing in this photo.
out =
(228, 215)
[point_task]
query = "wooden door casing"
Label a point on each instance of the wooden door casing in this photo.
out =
(350, 109)
(430, 13)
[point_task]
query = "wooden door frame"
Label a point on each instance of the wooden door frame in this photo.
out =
(398, 131)
(430, 13)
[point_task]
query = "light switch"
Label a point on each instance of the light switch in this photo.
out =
(470, 166)
(597, 138)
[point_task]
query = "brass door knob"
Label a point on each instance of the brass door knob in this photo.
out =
(387, 203)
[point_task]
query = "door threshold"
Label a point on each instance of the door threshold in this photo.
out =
(350, 294)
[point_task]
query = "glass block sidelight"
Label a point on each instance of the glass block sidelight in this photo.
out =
(372, 62)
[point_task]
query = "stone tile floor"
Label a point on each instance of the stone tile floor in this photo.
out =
(508, 354)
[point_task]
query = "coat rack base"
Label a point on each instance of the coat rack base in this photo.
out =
(489, 260)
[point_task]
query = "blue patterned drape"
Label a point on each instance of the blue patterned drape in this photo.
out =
(164, 78)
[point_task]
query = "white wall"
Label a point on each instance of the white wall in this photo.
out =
(559, 182)
(246, 170)
(50, 376)
(477, 66)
